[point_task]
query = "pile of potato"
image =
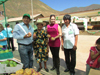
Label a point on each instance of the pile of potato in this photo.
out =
(27, 71)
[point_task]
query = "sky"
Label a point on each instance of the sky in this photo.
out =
(61, 5)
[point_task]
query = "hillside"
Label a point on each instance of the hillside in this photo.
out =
(15, 8)
(77, 9)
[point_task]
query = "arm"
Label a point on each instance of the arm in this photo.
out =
(62, 40)
(60, 32)
(47, 45)
(3, 39)
(34, 36)
(17, 34)
(75, 45)
(12, 31)
(94, 56)
(62, 43)
(47, 33)
(76, 39)
(48, 36)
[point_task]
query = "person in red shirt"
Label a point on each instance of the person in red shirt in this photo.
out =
(93, 60)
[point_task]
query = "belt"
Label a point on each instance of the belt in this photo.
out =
(24, 44)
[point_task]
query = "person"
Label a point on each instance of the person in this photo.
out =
(23, 32)
(45, 25)
(10, 37)
(17, 22)
(40, 45)
(69, 40)
(93, 60)
(54, 30)
(3, 37)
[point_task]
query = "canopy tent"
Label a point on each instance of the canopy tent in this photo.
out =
(2, 2)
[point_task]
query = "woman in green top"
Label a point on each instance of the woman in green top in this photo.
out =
(40, 45)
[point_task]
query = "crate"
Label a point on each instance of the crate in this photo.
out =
(94, 72)
(5, 69)
(7, 55)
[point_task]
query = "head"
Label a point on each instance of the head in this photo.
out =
(8, 25)
(98, 43)
(17, 22)
(67, 19)
(44, 23)
(39, 24)
(52, 19)
(26, 19)
(1, 27)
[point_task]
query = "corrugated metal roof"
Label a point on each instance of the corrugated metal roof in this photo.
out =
(20, 18)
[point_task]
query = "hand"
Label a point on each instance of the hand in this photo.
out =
(29, 34)
(52, 38)
(26, 36)
(62, 47)
(74, 47)
(48, 36)
(34, 36)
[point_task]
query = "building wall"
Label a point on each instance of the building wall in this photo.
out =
(12, 24)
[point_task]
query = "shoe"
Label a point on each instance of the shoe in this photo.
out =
(53, 68)
(58, 72)
(46, 69)
(66, 70)
(72, 73)
(39, 69)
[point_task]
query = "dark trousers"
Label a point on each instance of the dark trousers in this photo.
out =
(70, 62)
(55, 54)
(10, 41)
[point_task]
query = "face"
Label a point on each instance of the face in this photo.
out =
(39, 26)
(98, 46)
(67, 22)
(1, 27)
(52, 20)
(44, 24)
(26, 20)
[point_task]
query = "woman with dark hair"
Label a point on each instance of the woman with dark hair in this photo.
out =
(54, 30)
(3, 37)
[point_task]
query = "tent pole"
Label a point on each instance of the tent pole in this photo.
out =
(6, 25)
(32, 12)
(4, 13)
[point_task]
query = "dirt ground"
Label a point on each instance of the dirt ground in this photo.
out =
(84, 44)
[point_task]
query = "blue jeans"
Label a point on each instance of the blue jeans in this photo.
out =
(26, 55)
(88, 69)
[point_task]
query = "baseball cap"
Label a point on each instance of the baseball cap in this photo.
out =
(27, 16)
